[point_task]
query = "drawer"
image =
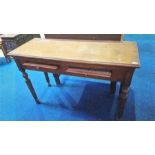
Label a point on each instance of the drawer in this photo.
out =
(40, 67)
(83, 72)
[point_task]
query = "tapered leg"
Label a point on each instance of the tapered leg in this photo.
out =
(30, 86)
(47, 79)
(122, 99)
(123, 93)
(113, 87)
(27, 80)
(56, 77)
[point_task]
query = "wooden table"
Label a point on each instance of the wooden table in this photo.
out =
(114, 61)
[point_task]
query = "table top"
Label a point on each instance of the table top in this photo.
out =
(95, 52)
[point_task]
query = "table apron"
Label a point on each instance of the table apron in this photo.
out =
(107, 73)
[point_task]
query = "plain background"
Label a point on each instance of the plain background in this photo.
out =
(77, 16)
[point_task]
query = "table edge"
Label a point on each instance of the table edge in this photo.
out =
(76, 61)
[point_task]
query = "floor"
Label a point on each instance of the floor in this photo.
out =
(79, 99)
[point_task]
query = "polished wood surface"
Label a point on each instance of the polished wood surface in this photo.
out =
(114, 61)
(112, 53)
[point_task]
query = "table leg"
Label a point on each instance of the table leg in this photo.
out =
(30, 86)
(123, 93)
(57, 79)
(28, 82)
(47, 79)
(113, 87)
(122, 99)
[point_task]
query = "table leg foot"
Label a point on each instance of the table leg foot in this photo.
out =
(37, 101)
(49, 85)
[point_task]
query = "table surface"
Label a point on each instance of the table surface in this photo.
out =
(98, 52)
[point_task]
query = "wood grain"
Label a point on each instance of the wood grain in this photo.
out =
(98, 52)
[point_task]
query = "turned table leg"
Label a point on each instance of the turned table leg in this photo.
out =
(57, 79)
(113, 87)
(122, 99)
(123, 93)
(28, 82)
(30, 86)
(47, 79)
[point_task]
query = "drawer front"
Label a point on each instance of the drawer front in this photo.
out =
(83, 72)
